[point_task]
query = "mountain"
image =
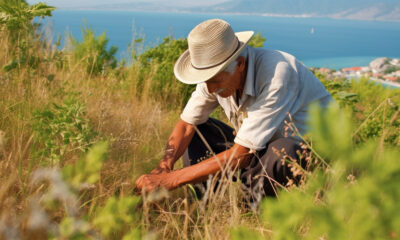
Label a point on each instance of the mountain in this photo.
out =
(388, 10)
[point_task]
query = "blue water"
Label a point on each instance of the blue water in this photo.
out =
(334, 43)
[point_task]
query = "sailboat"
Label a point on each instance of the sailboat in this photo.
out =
(312, 30)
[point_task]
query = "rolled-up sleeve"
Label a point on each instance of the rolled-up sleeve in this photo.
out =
(199, 106)
(269, 110)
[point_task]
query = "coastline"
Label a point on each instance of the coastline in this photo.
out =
(391, 84)
(311, 16)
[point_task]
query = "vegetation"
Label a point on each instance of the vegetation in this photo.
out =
(77, 129)
(92, 52)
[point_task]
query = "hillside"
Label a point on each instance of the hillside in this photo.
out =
(356, 9)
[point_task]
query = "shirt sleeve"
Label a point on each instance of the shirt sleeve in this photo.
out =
(199, 106)
(270, 109)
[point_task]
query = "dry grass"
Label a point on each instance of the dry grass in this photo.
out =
(180, 215)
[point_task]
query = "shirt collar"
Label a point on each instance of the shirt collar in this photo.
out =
(249, 84)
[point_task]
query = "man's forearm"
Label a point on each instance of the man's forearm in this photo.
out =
(177, 144)
(236, 157)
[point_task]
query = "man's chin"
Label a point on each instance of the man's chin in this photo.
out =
(224, 95)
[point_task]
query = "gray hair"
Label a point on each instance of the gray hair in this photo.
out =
(232, 66)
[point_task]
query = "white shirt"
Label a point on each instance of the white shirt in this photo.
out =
(276, 84)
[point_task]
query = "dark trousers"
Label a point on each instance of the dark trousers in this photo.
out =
(266, 170)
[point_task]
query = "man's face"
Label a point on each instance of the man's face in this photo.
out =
(224, 83)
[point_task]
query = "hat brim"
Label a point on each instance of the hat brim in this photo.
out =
(186, 73)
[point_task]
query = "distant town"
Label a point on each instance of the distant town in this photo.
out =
(383, 70)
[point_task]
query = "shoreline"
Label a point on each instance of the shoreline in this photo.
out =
(391, 84)
(277, 15)
(338, 63)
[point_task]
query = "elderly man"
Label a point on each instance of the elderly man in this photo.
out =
(258, 90)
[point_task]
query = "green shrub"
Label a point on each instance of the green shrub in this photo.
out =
(16, 23)
(92, 52)
(17, 15)
(157, 71)
(60, 129)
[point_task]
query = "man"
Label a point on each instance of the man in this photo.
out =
(257, 89)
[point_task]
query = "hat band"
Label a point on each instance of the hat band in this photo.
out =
(202, 68)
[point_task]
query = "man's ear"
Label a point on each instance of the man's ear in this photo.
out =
(241, 63)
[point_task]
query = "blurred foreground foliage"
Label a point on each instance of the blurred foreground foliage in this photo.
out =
(66, 114)
(354, 197)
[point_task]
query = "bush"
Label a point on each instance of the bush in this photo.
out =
(17, 15)
(16, 23)
(157, 71)
(60, 129)
(92, 52)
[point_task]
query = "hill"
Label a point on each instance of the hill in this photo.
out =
(355, 9)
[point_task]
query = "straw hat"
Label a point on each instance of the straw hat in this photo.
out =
(212, 47)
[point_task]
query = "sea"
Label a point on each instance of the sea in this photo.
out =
(317, 42)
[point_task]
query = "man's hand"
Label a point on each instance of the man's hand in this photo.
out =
(151, 182)
(163, 167)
